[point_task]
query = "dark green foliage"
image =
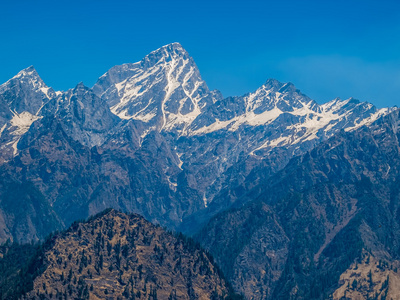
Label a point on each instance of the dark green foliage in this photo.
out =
(385, 284)
(172, 296)
(12, 269)
(29, 264)
(354, 284)
(371, 283)
(125, 250)
(153, 293)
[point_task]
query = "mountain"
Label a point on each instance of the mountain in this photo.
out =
(21, 100)
(164, 90)
(311, 225)
(151, 138)
(212, 134)
(85, 117)
(115, 255)
(294, 199)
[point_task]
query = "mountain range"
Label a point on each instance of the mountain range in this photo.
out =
(272, 183)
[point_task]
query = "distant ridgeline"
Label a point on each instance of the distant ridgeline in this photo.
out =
(293, 198)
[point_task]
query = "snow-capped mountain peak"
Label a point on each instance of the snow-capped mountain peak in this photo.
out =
(173, 51)
(26, 91)
(27, 72)
(21, 99)
(283, 96)
(164, 89)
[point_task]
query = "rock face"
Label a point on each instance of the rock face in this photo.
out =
(164, 90)
(119, 256)
(308, 224)
(21, 101)
(151, 138)
(85, 117)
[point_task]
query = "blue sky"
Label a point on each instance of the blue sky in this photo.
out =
(327, 49)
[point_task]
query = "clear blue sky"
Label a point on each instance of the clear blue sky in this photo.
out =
(327, 48)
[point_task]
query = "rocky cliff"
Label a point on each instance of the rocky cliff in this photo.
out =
(314, 219)
(150, 137)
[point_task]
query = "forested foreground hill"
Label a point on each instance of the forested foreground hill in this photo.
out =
(112, 256)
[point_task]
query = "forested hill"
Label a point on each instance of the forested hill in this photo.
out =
(112, 256)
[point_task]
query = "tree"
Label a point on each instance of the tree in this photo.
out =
(354, 284)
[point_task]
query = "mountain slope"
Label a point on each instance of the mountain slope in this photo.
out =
(21, 100)
(314, 218)
(151, 138)
(164, 89)
(115, 255)
(215, 134)
(85, 117)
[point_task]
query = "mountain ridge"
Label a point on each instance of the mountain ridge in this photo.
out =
(309, 222)
(272, 183)
(178, 149)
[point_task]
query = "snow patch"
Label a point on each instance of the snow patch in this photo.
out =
(249, 118)
(22, 121)
(172, 185)
(205, 201)
(45, 90)
(180, 162)
(2, 129)
(371, 119)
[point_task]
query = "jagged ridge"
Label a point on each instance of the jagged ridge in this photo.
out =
(150, 137)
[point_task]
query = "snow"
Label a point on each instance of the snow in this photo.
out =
(205, 201)
(180, 160)
(172, 73)
(25, 72)
(171, 86)
(334, 105)
(371, 119)
(45, 91)
(263, 118)
(166, 73)
(172, 185)
(2, 129)
(144, 134)
(312, 119)
(145, 117)
(22, 121)
(132, 88)
(140, 115)
(281, 141)
(387, 172)
(119, 86)
(179, 73)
